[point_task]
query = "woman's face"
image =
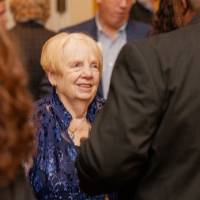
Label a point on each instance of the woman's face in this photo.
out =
(81, 73)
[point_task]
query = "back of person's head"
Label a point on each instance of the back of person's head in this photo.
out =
(28, 10)
(16, 132)
(164, 20)
(52, 57)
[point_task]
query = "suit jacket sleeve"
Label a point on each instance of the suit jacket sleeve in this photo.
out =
(118, 150)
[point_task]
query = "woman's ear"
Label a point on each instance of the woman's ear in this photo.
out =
(52, 78)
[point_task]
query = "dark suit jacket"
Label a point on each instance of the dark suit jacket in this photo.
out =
(31, 37)
(134, 30)
(147, 138)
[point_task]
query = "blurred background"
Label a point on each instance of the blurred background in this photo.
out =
(72, 12)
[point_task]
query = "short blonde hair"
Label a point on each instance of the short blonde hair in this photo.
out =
(52, 57)
(26, 10)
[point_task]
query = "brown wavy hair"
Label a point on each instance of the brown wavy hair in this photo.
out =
(164, 20)
(16, 131)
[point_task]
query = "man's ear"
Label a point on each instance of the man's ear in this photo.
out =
(52, 78)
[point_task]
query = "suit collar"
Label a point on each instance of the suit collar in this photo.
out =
(30, 23)
(93, 30)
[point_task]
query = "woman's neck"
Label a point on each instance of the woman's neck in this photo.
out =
(77, 108)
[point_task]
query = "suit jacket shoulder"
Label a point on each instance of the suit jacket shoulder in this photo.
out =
(89, 27)
(137, 30)
(169, 47)
(30, 37)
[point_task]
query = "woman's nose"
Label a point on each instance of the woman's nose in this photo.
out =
(87, 71)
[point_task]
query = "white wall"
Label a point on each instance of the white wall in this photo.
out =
(77, 11)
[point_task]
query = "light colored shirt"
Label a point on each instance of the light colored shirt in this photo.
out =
(111, 48)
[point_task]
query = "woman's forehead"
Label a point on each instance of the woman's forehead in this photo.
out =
(78, 43)
(79, 48)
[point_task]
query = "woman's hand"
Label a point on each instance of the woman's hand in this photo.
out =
(79, 130)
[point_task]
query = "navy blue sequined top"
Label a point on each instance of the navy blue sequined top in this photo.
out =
(53, 175)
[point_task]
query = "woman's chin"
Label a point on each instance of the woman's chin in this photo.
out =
(85, 96)
(86, 93)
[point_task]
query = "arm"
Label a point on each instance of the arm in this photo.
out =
(117, 151)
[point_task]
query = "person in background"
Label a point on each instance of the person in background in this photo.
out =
(30, 17)
(112, 29)
(16, 131)
(2, 13)
(147, 136)
(144, 10)
(164, 20)
(73, 63)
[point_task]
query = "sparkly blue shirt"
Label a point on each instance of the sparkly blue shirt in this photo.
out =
(53, 175)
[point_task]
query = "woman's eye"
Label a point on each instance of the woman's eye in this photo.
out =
(76, 64)
(94, 65)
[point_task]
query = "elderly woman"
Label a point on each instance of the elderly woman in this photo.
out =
(73, 63)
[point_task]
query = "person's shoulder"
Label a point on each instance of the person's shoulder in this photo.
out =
(165, 46)
(42, 105)
(83, 26)
(42, 115)
(137, 25)
(169, 41)
(48, 31)
(168, 38)
(32, 30)
(95, 107)
(42, 30)
(136, 30)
